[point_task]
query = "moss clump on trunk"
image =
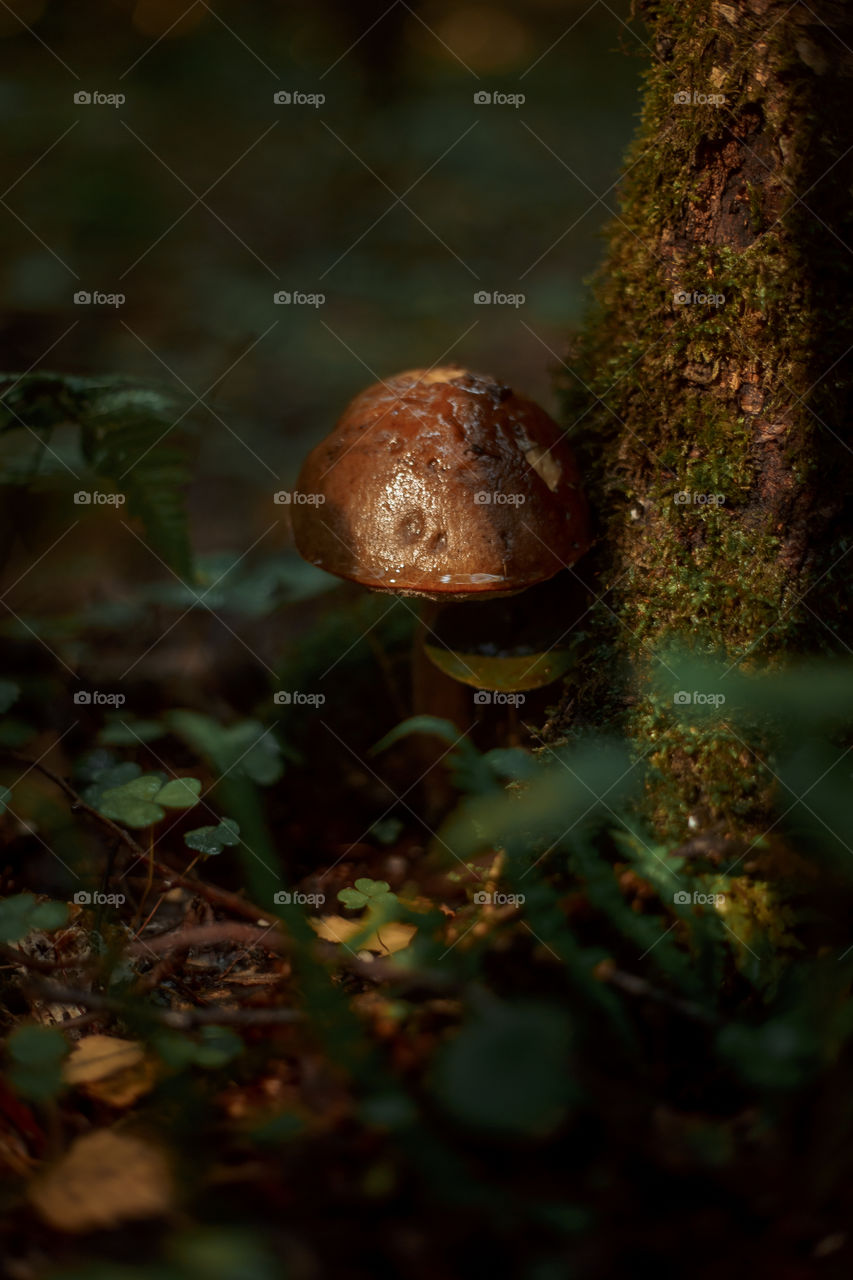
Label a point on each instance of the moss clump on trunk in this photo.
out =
(708, 395)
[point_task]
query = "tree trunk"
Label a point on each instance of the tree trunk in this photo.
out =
(709, 394)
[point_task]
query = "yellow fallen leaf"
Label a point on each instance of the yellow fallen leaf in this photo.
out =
(104, 1179)
(387, 939)
(99, 1056)
(112, 1070)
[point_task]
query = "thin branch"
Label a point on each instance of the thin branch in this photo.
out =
(179, 1019)
(209, 935)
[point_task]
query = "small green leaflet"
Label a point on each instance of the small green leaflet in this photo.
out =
(143, 801)
(212, 840)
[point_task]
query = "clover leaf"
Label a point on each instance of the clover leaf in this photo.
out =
(180, 793)
(371, 893)
(212, 840)
(142, 801)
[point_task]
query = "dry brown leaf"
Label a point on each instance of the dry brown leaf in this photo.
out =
(111, 1070)
(104, 1179)
(99, 1056)
(386, 940)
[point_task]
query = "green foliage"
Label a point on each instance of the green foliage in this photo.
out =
(104, 774)
(367, 893)
(122, 433)
(212, 1047)
(125, 731)
(245, 749)
(126, 795)
(22, 913)
(9, 694)
(508, 1069)
(35, 1056)
(212, 840)
(471, 771)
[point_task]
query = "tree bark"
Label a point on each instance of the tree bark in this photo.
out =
(716, 367)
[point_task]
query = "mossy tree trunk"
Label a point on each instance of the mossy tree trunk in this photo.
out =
(709, 394)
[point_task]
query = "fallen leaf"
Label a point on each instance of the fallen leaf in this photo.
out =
(104, 1179)
(111, 1070)
(386, 940)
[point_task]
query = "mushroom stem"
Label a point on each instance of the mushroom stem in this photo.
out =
(435, 694)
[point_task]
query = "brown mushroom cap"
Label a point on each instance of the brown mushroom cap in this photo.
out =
(396, 492)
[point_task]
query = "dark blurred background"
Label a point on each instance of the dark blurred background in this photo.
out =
(302, 198)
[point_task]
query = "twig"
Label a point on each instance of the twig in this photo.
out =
(636, 986)
(179, 1019)
(25, 961)
(210, 935)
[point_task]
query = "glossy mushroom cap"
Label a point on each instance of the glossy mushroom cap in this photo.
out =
(445, 484)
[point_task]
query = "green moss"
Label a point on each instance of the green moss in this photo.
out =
(666, 417)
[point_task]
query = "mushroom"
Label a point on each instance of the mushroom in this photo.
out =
(445, 484)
